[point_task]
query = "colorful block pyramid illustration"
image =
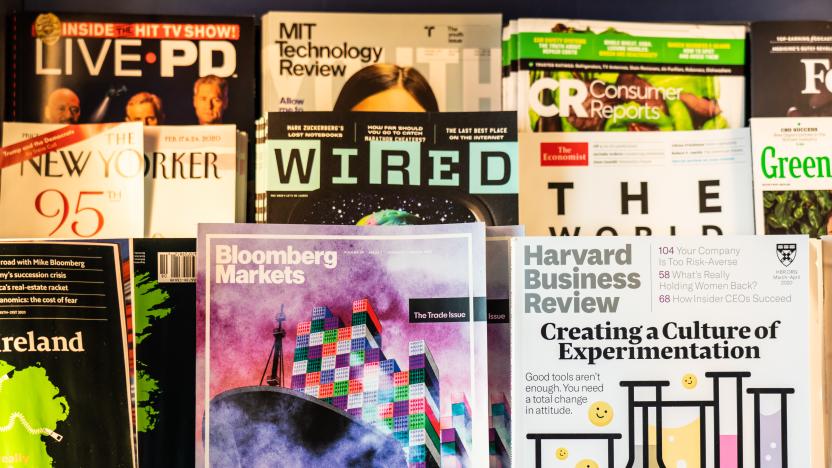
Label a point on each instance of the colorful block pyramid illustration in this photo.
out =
(343, 365)
(499, 432)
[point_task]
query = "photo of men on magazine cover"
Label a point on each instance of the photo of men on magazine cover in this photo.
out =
(210, 101)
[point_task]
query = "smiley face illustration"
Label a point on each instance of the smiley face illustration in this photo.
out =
(587, 463)
(689, 381)
(600, 413)
(562, 453)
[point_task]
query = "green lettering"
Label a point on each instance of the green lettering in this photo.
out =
(794, 165)
(808, 165)
(823, 166)
(766, 173)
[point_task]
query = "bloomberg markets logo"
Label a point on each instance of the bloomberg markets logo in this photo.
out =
(66, 47)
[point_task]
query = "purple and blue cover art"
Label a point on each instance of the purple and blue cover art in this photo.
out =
(498, 283)
(322, 344)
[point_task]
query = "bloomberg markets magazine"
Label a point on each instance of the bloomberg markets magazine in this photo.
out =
(369, 332)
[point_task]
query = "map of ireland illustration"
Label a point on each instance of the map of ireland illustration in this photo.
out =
(64, 373)
(148, 310)
(165, 327)
(31, 407)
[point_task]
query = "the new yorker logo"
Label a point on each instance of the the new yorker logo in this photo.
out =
(786, 253)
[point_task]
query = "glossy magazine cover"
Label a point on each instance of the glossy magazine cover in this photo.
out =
(586, 75)
(315, 61)
(663, 351)
(190, 177)
(387, 168)
(792, 177)
(72, 181)
(91, 68)
(376, 334)
(64, 356)
(165, 328)
(643, 183)
(498, 284)
(790, 65)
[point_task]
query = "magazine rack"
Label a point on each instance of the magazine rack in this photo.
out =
(640, 10)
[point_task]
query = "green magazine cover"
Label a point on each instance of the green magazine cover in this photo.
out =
(578, 75)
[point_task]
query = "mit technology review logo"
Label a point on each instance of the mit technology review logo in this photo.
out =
(786, 253)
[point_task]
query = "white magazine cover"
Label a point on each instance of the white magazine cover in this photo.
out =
(644, 183)
(385, 346)
(90, 185)
(444, 62)
(792, 175)
(660, 351)
(190, 178)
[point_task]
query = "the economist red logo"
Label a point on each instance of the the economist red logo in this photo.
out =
(564, 154)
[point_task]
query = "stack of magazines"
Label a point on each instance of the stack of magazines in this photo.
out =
(470, 243)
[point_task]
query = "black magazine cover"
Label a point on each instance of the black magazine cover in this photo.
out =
(366, 168)
(790, 69)
(123, 247)
(89, 68)
(63, 365)
(165, 304)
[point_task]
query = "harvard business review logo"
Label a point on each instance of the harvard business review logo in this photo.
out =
(786, 253)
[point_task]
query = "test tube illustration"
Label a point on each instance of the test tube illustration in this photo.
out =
(727, 411)
(643, 407)
(771, 448)
(728, 414)
(607, 437)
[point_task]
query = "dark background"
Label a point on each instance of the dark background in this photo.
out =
(634, 10)
(175, 92)
(719, 11)
(433, 204)
(777, 79)
(168, 355)
(93, 382)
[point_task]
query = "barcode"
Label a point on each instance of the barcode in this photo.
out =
(177, 267)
